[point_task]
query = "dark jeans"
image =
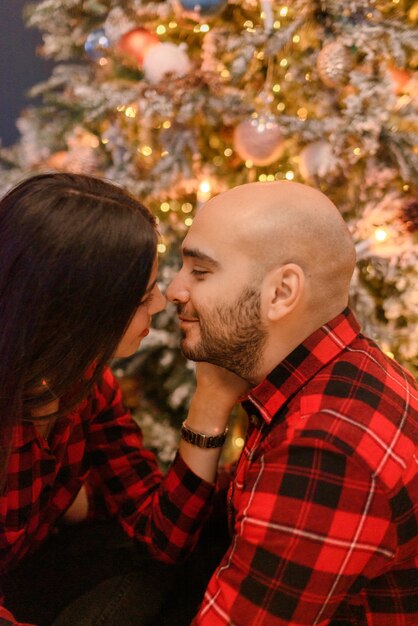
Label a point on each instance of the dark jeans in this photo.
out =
(94, 575)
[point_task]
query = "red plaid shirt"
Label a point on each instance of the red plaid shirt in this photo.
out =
(99, 439)
(324, 503)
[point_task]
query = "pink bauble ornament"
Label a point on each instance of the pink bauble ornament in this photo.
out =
(259, 140)
(136, 43)
(165, 59)
(334, 63)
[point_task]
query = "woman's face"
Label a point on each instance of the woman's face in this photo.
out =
(153, 302)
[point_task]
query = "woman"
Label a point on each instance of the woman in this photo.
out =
(78, 271)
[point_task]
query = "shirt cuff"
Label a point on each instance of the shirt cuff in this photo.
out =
(7, 619)
(200, 491)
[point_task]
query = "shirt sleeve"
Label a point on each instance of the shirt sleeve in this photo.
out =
(164, 512)
(311, 527)
(7, 619)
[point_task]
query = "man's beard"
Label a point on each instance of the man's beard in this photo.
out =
(232, 336)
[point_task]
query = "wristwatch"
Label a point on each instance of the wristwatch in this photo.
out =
(201, 440)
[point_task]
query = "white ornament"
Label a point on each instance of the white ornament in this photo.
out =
(164, 59)
(317, 159)
(259, 140)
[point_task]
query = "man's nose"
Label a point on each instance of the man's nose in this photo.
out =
(177, 291)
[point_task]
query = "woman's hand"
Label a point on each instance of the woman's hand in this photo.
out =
(216, 393)
(78, 511)
(219, 386)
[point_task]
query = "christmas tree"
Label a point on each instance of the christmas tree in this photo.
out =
(179, 100)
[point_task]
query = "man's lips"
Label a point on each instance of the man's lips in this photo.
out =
(187, 320)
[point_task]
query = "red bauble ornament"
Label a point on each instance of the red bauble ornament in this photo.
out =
(409, 215)
(136, 43)
(400, 78)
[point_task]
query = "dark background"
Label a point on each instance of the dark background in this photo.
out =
(20, 68)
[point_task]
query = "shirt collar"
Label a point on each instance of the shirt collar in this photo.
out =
(303, 363)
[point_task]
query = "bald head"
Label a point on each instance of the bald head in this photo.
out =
(285, 222)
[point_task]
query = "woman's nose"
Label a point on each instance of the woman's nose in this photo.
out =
(159, 302)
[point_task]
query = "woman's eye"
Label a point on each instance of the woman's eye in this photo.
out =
(147, 300)
(199, 272)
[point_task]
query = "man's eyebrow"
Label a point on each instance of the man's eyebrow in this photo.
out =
(194, 253)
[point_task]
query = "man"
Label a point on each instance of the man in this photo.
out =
(323, 504)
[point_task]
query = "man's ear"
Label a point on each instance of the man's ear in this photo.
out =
(283, 288)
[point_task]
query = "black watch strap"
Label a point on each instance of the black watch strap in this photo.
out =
(201, 440)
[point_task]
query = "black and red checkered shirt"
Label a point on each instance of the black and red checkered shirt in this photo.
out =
(324, 503)
(99, 439)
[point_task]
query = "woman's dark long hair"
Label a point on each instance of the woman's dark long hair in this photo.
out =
(76, 254)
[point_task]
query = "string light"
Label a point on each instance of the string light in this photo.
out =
(187, 207)
(289, 175)
(204, 190)
(102, 61)
(248, 164)
(130, 112)
(381, 235)
(284, 62)
(172, 25)
(228, 152)
(166, 124)
(161, 248)
(204, 28)
(277, 24)
(161, 29)
(205, 186)
(146, 150)
(284, 11)
(276, 88)
(239, 442)
(188, 221)
(296, 38)
(164, 207)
